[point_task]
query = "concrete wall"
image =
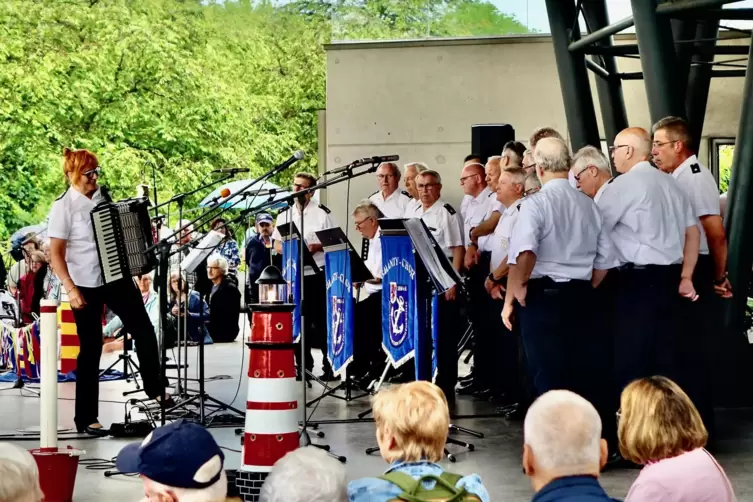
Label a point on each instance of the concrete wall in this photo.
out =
(419, 100)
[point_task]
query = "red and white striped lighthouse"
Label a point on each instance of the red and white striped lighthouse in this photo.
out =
(272, 414)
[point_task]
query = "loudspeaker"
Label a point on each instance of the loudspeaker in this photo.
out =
(488, 139)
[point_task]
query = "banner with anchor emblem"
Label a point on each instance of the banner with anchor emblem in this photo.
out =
(340, 310)
(399, 319)
(293, 277)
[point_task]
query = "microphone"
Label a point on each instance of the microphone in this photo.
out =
(234, 170)
(363, 162)
(292, 160)
(224, 193)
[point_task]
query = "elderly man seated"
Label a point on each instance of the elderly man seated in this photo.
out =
(305, 475)
(179, 462)
(563, 452)
(19, 476)
(412, 422)
(224, 302)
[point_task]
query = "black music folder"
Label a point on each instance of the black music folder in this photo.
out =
(290, 231)
(334, 239)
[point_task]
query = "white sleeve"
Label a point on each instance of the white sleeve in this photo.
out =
(276, 235)
(606, 254)
(707, 195)
(526, 234)
(59, 225)
(453, 235)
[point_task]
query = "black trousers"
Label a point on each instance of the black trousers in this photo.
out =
(484, 337)
(315, 312)
(702, 321)
(125, 300)
(367, 350)
(450, 324)
(647, 323)
(506, 351)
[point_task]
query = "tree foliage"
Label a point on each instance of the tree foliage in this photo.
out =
(180, 87)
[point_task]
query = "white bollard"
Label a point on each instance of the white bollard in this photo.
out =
(48, 340)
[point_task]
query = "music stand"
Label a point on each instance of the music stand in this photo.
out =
(334, 239)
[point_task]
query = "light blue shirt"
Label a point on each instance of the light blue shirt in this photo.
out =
(380, 490)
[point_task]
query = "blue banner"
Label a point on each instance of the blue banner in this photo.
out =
(293, 277)
(399, 300)
(340, 310)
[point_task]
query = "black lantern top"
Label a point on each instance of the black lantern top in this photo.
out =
(271, 275)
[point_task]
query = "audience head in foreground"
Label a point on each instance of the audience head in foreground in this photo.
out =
(563, 451)
(659, 427)
(305, 475)
(180, 462)
(19, 476)
(412, 421)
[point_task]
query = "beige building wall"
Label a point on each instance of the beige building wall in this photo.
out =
(418, 99)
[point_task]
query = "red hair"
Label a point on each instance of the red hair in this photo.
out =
(77, 162)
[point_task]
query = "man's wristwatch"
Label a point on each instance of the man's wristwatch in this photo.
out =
(720, 281)
(493, 279)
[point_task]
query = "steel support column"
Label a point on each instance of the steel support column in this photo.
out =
(683, 30)
(658, 60)
(609, 90)
(699, 79)
(739, 213)
(573, 76)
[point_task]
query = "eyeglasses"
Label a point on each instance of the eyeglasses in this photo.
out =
(531, 191)
(426, 186)
(577, 176)
(97, 171)
(212, 268)
(462, 180)
(385, 176)
(659, 144)
(359, 223)
(529, 166)
(617, 147)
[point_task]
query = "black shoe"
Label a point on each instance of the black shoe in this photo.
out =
(467, 377)
(94, 431)
(466, 389)
(513, 412)
(329, 376)
(483, 394)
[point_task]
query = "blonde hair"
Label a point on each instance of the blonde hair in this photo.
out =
(657, 421)
(77, 162)
(19, 475)
(417, 417)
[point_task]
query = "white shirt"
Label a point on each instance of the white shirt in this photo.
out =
(443, 222)
(473, 211)
(317, 218)
(562, 227)
(601, 189)
(70, 220)
(394, 205)
(374, 262)
(500, 239)
(645, 214)
(699, 185)
(484, 242)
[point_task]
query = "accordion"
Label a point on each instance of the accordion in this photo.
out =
(123, 232)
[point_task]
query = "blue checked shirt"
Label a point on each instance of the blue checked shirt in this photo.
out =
(379, 490)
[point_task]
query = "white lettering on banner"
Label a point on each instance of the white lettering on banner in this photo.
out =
(392, 263)
(409, 268)
(340, 278)
(403, 263)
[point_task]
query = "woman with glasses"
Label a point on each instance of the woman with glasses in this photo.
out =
(228, 248)
(73, 251)
(661, 429)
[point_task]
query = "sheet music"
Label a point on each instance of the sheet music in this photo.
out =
(206, 246)
(424, 246)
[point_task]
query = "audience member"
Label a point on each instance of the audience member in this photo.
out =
(260, 253)
(224, 302)
(412, 421)
(30, 287)
(198, 311)
(228, 249)
(563, 452)
(19, 475)
(660, 428)
(179, 462)
(151, 303)
(20, 268)
(305, 475)
(51, 283)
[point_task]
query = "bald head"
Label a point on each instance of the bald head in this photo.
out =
(631, 145)
(472, 178)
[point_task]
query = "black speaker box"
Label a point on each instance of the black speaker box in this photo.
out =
(488, 139)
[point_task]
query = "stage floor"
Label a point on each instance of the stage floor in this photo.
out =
(496, 459)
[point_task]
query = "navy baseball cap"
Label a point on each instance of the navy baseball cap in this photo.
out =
(264, 218)
(181, 454)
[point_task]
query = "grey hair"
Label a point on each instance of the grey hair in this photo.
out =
(431, 172)
(305, 475)
(532, 181)
(564, 432)
(220, 262)
(366, 207)
(420, 166)
(19, 475)
(495, 159)
(591, 156)
(552, 155)
(393, 166)
(216, 492)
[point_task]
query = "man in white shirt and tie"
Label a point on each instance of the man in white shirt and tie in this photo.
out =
(671, 150)
(557, 251)
(390, 200)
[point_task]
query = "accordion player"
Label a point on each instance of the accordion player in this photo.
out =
(75, 255)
